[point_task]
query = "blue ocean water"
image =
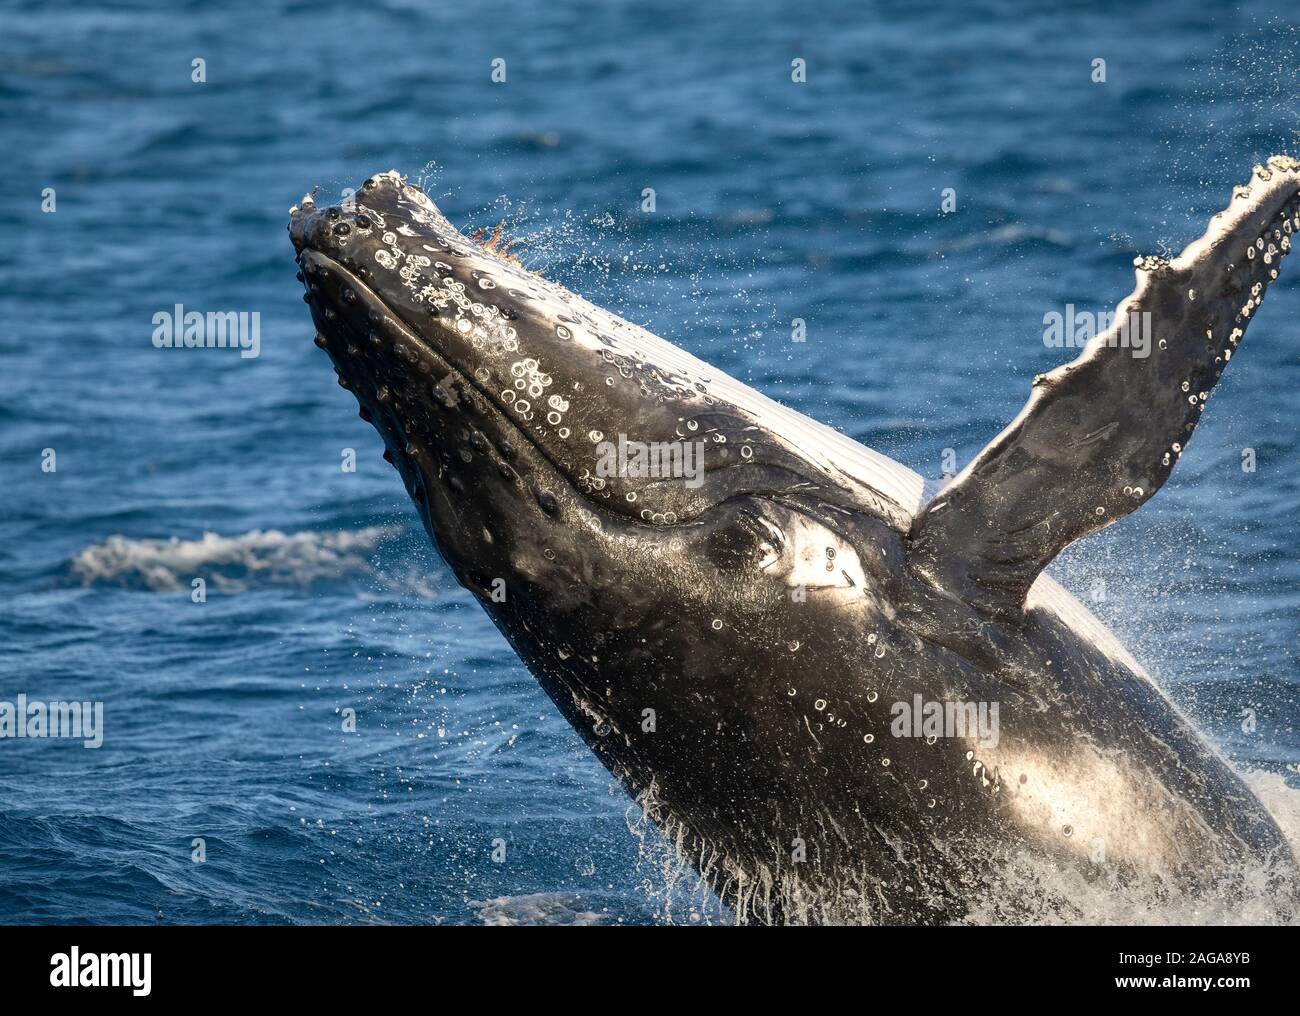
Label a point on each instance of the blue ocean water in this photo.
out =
(775, 200)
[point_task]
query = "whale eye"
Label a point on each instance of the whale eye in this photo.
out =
(747, 541)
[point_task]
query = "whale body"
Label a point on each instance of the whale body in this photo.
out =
(841, 697)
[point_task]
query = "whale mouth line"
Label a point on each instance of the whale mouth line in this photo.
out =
(353, 366)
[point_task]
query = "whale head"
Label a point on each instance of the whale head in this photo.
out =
(632, 520)
(521, 417)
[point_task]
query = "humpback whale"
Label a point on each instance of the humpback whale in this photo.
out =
(739, 641)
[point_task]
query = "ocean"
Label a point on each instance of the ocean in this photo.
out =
(944, 177)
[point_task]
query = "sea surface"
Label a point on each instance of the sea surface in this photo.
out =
(224, 721)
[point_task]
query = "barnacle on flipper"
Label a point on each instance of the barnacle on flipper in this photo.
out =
(494, 244)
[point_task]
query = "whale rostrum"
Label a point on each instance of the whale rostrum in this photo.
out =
(839, 699)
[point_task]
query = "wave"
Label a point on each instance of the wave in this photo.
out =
(231, 563)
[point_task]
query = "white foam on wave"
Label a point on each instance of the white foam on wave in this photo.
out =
(553, 908)
(231, 563)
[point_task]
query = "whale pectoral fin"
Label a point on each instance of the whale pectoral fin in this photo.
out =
(1100, 435)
